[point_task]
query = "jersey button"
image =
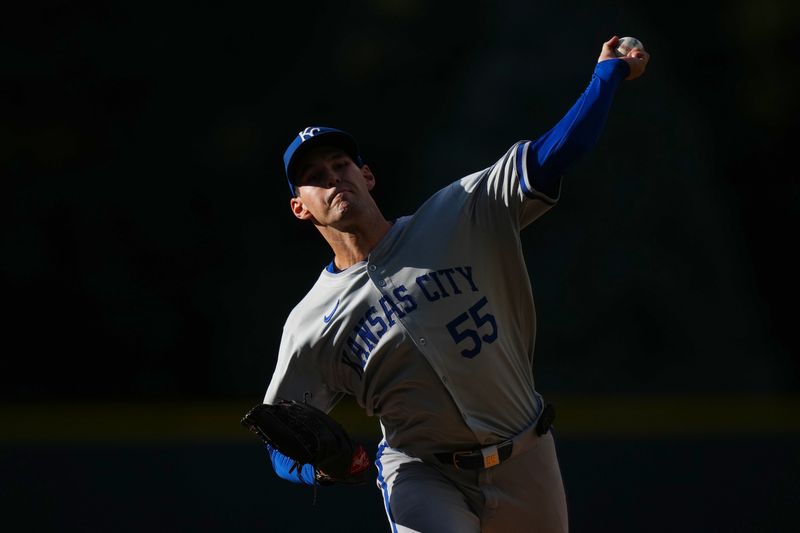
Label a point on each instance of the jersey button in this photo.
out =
(373, 268)
(422, 341)
(381, 283)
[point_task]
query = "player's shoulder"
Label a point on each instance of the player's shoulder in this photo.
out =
(457, 192)
(328, 287)
(505, 162)
(318, 293)
(507, 165)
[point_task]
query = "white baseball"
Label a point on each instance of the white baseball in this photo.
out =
(626, 44)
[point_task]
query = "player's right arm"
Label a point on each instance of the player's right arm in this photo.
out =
(528, 178)
(550, 156)
(580, 128)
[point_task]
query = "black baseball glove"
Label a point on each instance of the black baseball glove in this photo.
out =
(309, 436)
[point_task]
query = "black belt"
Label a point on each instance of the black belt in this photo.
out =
(494, 455)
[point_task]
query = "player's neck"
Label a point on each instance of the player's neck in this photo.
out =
(354, 244)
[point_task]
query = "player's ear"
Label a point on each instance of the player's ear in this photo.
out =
(369, 176)
(299, 208)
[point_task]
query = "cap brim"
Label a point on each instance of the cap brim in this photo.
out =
(333, 138)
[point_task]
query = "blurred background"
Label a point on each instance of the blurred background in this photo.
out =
(149, 257)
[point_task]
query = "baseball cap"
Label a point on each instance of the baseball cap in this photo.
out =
(317, 136)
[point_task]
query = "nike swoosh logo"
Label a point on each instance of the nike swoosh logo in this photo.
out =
(327, 318)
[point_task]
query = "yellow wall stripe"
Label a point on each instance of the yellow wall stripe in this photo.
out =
(577, 416)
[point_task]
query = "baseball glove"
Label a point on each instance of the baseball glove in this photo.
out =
(309, 436)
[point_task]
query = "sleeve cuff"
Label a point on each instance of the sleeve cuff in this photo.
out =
(546, 190)
(613, 70)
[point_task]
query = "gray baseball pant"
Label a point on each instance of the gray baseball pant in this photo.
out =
(524, 493)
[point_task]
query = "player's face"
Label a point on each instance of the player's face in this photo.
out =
(330, 187)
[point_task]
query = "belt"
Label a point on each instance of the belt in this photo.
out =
(494, 455)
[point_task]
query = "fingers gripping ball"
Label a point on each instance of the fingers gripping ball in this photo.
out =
(626, 44)
(309, 436)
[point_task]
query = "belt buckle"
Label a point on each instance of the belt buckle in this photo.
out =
(490, 454)
(456, 455)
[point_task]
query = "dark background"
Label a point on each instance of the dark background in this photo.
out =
(149, 255)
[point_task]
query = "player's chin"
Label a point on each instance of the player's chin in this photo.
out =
(341, 204)
(339, 211)
(345, 210)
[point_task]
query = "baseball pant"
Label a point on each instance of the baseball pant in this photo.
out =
(524, 493)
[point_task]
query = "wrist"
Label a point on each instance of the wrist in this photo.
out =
(612, 70)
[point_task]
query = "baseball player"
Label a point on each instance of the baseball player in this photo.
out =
(428, 321)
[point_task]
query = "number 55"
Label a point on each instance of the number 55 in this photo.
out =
(472, 334)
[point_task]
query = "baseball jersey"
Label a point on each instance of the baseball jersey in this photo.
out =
(434, 332)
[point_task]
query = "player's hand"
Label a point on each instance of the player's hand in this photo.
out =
(636, 58)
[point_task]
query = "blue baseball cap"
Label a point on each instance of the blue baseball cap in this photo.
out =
(317, 136)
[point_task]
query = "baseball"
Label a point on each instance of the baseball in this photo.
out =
(626, 44)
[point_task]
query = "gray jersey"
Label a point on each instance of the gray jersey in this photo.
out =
(434, 332)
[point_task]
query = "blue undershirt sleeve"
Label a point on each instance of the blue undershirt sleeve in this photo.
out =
(283, 467)
(577, 132)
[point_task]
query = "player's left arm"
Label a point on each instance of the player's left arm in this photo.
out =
(549, 157)
(288, 469)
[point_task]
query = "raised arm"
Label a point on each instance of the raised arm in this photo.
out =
(549, 157)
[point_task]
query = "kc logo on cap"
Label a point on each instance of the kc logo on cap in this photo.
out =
(308, 132)
(315, 136)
